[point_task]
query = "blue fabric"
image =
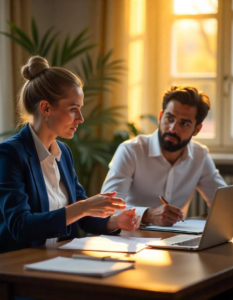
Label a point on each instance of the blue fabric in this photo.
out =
(25, 219)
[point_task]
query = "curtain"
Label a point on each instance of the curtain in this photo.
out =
(20, 14)
(131, 29)
(12, 57)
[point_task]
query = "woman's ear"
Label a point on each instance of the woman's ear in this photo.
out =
(45, 107)
(197, 129)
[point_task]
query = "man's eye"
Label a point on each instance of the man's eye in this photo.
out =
(185, 124)
(73, 109)
(169, 119)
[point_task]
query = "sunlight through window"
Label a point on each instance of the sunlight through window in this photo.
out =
(194, 7)
(136, 54)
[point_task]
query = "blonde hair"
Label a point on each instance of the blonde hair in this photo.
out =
(43, 83)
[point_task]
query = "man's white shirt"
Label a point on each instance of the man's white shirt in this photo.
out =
(139, 173)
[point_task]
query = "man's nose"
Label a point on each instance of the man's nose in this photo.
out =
(173, 127)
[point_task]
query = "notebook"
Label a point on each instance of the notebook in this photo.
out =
(189, 226)
(80, 266)
(218, 228)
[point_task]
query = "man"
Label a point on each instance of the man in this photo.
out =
(167, 163)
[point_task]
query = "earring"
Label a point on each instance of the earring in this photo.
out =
(46, 118)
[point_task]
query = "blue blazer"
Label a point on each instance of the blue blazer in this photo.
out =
(25, 219)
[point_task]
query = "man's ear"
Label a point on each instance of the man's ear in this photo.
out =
(197, 129)
(160, 115)
(45, 107)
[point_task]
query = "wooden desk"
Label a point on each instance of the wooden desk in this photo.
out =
(159, 274)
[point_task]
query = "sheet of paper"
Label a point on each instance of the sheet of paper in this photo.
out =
(109, 244)
(189, 226)
(80, 266)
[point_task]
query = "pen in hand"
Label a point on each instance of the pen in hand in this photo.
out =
(165, 202)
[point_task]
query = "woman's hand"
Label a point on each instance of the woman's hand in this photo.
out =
(101, 205)
(126, 220)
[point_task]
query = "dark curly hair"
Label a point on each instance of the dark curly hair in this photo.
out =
(189, 96)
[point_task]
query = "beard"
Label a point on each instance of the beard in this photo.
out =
(169, 145)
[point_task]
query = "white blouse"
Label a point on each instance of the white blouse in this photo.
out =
(57, 193)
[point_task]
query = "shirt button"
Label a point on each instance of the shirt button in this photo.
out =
(168, 193)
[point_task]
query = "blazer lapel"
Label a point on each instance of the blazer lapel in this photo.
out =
(35, 167)
(66, 179)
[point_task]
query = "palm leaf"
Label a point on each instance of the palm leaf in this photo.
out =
(34, 32)
(55, 54)
(49, 45)
(65, 50)
(78, 39)
(77, 53)
(152, 118)
(18, 41)
(44, 40)
(22, 35)
(107, 56)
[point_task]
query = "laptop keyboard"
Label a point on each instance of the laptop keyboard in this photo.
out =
(192, 242)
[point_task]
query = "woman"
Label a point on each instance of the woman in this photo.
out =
(40, 197)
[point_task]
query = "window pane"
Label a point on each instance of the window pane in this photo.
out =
(195, 7)
(194, 48)
(209, 88)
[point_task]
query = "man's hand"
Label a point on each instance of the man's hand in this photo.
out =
(164, 215)
(126, 220)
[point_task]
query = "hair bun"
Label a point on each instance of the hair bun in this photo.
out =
(34, 67)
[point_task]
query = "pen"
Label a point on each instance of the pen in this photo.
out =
(105, 258)
(165, 202)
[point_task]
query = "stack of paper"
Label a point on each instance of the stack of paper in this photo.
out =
(80, 266)
(189, 226)
(109, 243)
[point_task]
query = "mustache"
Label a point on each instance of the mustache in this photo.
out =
(172, 135)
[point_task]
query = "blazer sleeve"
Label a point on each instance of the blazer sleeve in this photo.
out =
(89, 224)
(24, 225)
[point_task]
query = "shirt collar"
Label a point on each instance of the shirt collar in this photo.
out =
(42, 152)
(154, 146)
(155, 149)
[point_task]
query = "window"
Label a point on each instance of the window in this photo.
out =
(195, 48)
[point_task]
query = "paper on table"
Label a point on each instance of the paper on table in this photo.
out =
(109, 244)
(190, 226)
(80, 266)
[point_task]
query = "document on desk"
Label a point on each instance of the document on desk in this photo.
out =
(194, 226)
(109, 244)
(80, 266)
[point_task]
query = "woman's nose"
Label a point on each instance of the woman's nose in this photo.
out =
(79, 117)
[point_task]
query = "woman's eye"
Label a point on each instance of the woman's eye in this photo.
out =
(73, 109)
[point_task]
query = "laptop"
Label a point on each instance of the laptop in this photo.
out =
(218, 228)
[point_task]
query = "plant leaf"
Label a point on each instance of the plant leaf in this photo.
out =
(55, 54)
(64, 51)
(107, 56)
(80, 51)
(44, 40)
(23, 36)
(49, 44)
(18, 41)
(77, 40)
(34, 32)
(152, 118)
